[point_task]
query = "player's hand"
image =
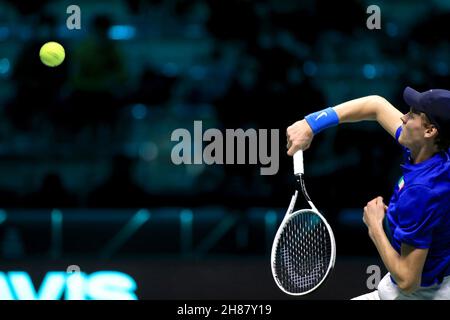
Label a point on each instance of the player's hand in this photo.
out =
(374, 213)
(299, 137)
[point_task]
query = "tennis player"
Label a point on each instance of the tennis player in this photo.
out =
(415, 248)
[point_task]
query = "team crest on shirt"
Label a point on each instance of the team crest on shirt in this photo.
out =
(401, 183)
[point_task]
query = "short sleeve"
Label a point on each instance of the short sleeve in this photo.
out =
(418, 215)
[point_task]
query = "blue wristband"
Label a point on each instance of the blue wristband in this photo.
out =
(322, 119)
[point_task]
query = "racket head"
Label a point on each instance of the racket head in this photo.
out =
(303, 252)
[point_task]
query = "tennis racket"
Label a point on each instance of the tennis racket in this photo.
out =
(304, 249)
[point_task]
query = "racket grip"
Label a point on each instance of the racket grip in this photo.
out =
(298, 163)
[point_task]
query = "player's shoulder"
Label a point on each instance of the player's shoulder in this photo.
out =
(423, 193)
(436, 180)
(422, 189)
(417, 201)
(442, 169)
(429, 188)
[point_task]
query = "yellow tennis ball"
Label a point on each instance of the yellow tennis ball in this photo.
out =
(52, 54)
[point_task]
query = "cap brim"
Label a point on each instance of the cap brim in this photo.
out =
(412, 98)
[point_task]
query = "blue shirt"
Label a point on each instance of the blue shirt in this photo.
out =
(419, 212)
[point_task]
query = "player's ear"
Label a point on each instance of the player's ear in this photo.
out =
(430, 129)
(431, 132)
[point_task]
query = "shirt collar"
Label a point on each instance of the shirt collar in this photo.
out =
(408, 166)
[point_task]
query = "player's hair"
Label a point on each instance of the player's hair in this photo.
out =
(443, 143)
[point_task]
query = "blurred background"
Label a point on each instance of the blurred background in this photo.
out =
(85, 167)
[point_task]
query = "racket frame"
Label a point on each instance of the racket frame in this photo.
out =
(299, 171)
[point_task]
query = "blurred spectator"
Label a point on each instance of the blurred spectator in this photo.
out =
(343, 16)
(154, 88)
(232, 20)
(119, 190)
(12, 246)
(137, 6)
(431, 29)
(243, 96)
(301, 21)
(430, 37)
(38, 87)
(98, 80)
(29, 7)
(52, 194)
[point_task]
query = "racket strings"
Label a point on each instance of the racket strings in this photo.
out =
(303, 253)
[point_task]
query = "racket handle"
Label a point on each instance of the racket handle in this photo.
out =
(298, 163)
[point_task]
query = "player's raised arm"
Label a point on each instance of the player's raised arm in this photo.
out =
(370, 108)
(375, 108)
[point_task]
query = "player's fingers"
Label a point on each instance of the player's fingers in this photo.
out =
(295, 146)
(289, 131)
(379, 201)
(292, 149)
(374, 202)
(382, 205)
(288, 145)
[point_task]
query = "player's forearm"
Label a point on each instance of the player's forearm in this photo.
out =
(393, 261)
(300, 134)
(366, 108)
(360, 109)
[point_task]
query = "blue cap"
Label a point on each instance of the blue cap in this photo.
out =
(435, 103)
